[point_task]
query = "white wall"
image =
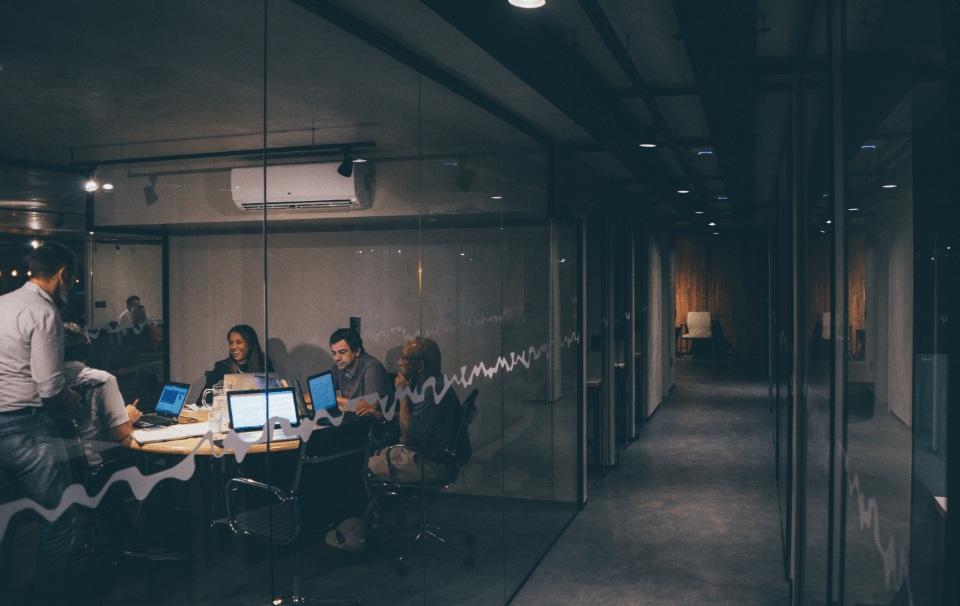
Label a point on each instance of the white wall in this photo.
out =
(655, 320)
(889, 306)
(135, 269)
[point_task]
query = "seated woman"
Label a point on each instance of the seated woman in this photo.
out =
(243, 355)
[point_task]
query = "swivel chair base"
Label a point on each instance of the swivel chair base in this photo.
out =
(424, 532)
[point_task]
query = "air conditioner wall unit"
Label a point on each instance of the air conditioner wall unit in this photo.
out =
(303, 187)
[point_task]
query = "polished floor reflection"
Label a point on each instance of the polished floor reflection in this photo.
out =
(690, 515)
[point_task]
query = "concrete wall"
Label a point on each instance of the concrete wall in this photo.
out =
(135, 269)
(889, 305)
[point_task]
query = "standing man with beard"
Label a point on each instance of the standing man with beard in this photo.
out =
(33, 461)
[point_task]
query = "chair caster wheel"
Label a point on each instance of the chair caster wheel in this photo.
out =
(468, 561)
(470, 539)
(403, 569)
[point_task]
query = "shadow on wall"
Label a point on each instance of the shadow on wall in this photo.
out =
(304, 360)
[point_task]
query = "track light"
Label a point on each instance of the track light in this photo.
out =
(59, 222)
(91, 184)
(346, 167)
(117, 246)
(649, 137)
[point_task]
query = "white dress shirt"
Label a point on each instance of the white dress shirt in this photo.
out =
(31, 348)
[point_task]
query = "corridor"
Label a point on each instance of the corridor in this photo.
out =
(690, 514)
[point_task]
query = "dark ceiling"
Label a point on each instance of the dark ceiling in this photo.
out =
(111, 79)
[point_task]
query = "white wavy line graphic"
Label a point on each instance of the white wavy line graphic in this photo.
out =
(895, 570)
(141, 485)
(430, 332)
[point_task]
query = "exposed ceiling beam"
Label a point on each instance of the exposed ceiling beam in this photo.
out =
(525, 43)
(721, 43)
(609, 36)
(378, 39)
(56, 168)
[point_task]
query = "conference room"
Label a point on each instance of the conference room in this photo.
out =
(260, 165)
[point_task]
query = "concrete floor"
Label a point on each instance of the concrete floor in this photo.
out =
(690, 514)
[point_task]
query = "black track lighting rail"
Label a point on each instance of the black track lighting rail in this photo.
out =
(338, 147)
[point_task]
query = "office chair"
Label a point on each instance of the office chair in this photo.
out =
(698, 326)
(280, 521)
(453, 460)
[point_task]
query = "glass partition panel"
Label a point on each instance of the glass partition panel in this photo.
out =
(817, 338)
(895, 372)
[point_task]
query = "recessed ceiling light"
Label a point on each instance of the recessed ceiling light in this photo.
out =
(108, 186)
(829, 222)
(704, 153)
(868, 147)
(528, 3)
(711, 224)
(721, 197)
(35, 244)
(853, 209)
(889, 186)
(716, 233)
(496, 197)
(683, 191)
(822, 232)
(357, 160)
(699, 212)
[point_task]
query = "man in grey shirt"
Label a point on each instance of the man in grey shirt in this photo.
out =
(33, 462)
(357, 374)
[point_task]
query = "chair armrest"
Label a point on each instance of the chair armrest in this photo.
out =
(235, 484)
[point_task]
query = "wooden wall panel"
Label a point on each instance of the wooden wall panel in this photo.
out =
(818, 285)
(728, 278)
(856, 278)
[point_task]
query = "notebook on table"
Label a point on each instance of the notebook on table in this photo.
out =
(250, 409)
(168, 407)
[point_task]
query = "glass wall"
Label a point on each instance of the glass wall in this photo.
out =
(863, 453)
(232, 140)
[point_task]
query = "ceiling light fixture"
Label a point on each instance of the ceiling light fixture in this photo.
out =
(705, 153)
(528, 3)
(649, 137)
(496, 197)
(117, 246)
(108, 186)
(699, 212)
(868, 147)
(683, 191)
(358, 160)
(890, 186)
(721, 197)
(59, 222)
(13, 273)
(712, 224)
(35, 244)
(853, 209)
(829, 222)
(91, 184)
(346, 167)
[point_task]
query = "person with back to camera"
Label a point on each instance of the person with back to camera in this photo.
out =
(356, 373)
(144, 336)
(124, 320)
(243, 355)
(109, 420)
(34, 390)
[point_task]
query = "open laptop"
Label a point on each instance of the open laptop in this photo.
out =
(169, 406)
(249, 412)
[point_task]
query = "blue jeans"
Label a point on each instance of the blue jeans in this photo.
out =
(33, 464)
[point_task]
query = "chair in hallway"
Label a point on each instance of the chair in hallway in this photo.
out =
(453, 460)
(698, 326)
